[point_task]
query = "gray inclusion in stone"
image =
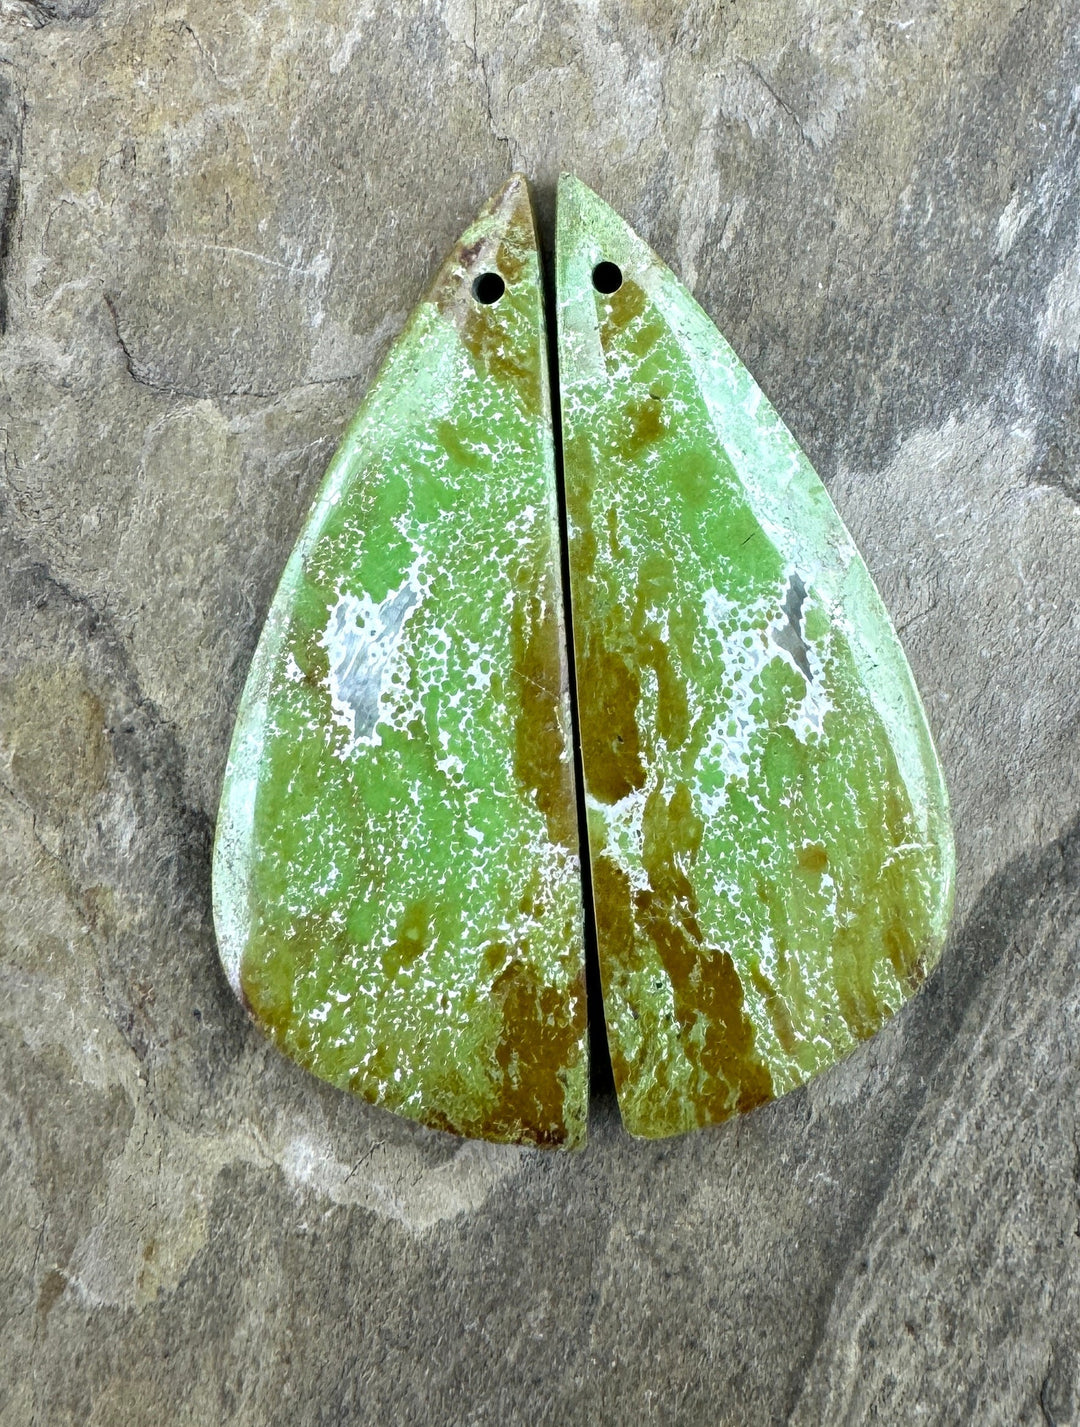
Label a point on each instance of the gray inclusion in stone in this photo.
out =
(789, 637)
(360, 639)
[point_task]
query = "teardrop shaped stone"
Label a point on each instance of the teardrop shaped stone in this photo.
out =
(769, 835)
(396, 879)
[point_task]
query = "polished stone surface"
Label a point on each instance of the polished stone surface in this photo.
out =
(772, 859)
(396, 873)
(217, 219)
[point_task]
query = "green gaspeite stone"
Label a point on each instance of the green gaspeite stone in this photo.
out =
(396, 881)
(768, 826)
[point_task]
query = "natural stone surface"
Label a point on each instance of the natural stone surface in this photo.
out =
(396, 884)
(768, 826)
(217, 218)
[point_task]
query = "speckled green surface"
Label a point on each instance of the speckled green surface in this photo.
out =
(396, 881)
(769, 835)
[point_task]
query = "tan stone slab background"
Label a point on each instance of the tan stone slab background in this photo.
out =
(215, 219)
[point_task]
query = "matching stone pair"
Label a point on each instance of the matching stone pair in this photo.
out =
(398, 870)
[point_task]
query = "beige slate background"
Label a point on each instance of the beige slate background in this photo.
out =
(215, 220)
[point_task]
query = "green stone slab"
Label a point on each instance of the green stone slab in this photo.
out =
(396, 877)
(769, 835)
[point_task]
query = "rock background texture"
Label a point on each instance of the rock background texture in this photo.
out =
(215, 218)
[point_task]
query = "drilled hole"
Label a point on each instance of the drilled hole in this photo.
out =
(607, 277)
(488, 288)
